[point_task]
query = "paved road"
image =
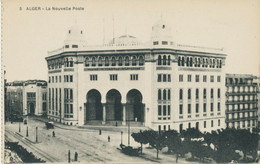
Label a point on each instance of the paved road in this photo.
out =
(90, 146)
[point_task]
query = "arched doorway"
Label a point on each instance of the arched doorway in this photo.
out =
(93, 105)
(31, 109)
(113, 105)
(134, 106)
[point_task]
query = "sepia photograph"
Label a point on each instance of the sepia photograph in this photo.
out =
(130, 81)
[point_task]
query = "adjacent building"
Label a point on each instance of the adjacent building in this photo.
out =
(161, 84)
(26, 97)
(241, 101)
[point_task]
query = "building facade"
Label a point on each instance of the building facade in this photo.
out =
(26, 97)
(241, 101)
(161, 84)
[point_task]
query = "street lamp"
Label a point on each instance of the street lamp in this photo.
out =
(121, 137)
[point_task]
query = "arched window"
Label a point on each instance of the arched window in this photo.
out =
(93, 61)
(181, 94)
(197, 93)
(87, 62)
(207, 62)
(183, 60)
(179, 61)
(203, 62)
(133, 61)
(120, 61)
(106, 61)
(159, 94)
(213, 63)
(169, 94)
(66, 63)
(188, 62)
(164, 59)
(159, 60)
(127, 61)
(164, 94)
(220, 63)
(191, 62)
(141, 60)
(189, 93)
(169, 60)
(71, 62)
(113, 61)
(204, 93)
(198, 62)
(99, 61)
(210, 63)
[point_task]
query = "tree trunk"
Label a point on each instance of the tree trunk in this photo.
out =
(157, 153)
(177, 156)
(141, 148)
(244, 155)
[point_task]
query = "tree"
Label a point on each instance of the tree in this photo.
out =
(141, 137)
(191, 133)
(156, 140)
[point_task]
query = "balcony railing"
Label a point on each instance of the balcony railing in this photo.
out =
(241, 119)
(241, 101)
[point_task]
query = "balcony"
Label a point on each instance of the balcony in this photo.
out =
(241, 119)
(241, 101)
(232, 93)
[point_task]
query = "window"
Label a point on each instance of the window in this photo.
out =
(159, 94)
(164, 94)
(197, 108)
(99, 61)
(181, 94)
(93, 77)
(164, 112)
(180, 78)
(189, 125)
(212, 123)
(67, 46)
(212, 93)
(49, 79)
(106, 61)
(141, 60)
(120, 61)
(113, 77)
(211, 107)
(197, 125)
(113, 61)
(189, 78)
(204, 78)
(44, 97)
(155, 43)
(205, 124)
(169, 94)
(181, 127)
(197, 93)
(181, 109)
(159, 77)
(189, 93)
(164, 43)
(164, 77)
(164, 59)
(56, 79)
(204, 107)
(197, 78)
(218, 106)
(74, 46)
(52, 79)
(189, 108)
(60, 79)
(134, 77)
(68, 78)
(87, 62)
(218, 92)
(159, 60)
(211, 78)
(93, 61)
(134, 61)
(159, 110)
(169, 60)
(218, 122)
(219, 78)
(204, 93)
(169, 78)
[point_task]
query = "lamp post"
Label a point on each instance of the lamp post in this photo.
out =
(27, 131)
(19, 127)
(36, 134)
(121, 137)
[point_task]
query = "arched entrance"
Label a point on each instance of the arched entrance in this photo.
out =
(134, 106)
(113, 105)
(31, 109)
(93, 105)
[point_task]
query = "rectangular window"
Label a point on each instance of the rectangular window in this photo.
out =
(218, 122)
(93, 77)
(180, 78)
(197, 108)
(181, 109)
(219, 93)
(204, 93)
(204, 78)
(197, 93)
(164, 77)
(205, 124)
(134, 77)
(211, 78)
(164, 110)
(164, 43)
(189, 108)
(60, 79)
(159, 110)
(56, 79)
(169, 78)
(197, 78)
(155, 43)
(211, 107)
(212, 123)
(204, 107)
(71, 78)
(169, 110)
(159, 77)
(212, 93)
(52, 79)
(189, 78)
(113, 77)
(219, 78)
(49, 79)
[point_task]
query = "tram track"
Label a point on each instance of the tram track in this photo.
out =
(43, 155)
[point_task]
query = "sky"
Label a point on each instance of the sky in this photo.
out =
(27, 35)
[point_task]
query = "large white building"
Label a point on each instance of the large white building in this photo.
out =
(161, 84)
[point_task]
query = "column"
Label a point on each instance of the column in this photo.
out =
(124, 114)
(104, 114)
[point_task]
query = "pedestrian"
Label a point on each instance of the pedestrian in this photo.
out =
(53, 134)
(108, 138)
(99, 131)
(76, 156)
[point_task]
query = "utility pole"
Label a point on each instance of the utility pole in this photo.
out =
(36, 134)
